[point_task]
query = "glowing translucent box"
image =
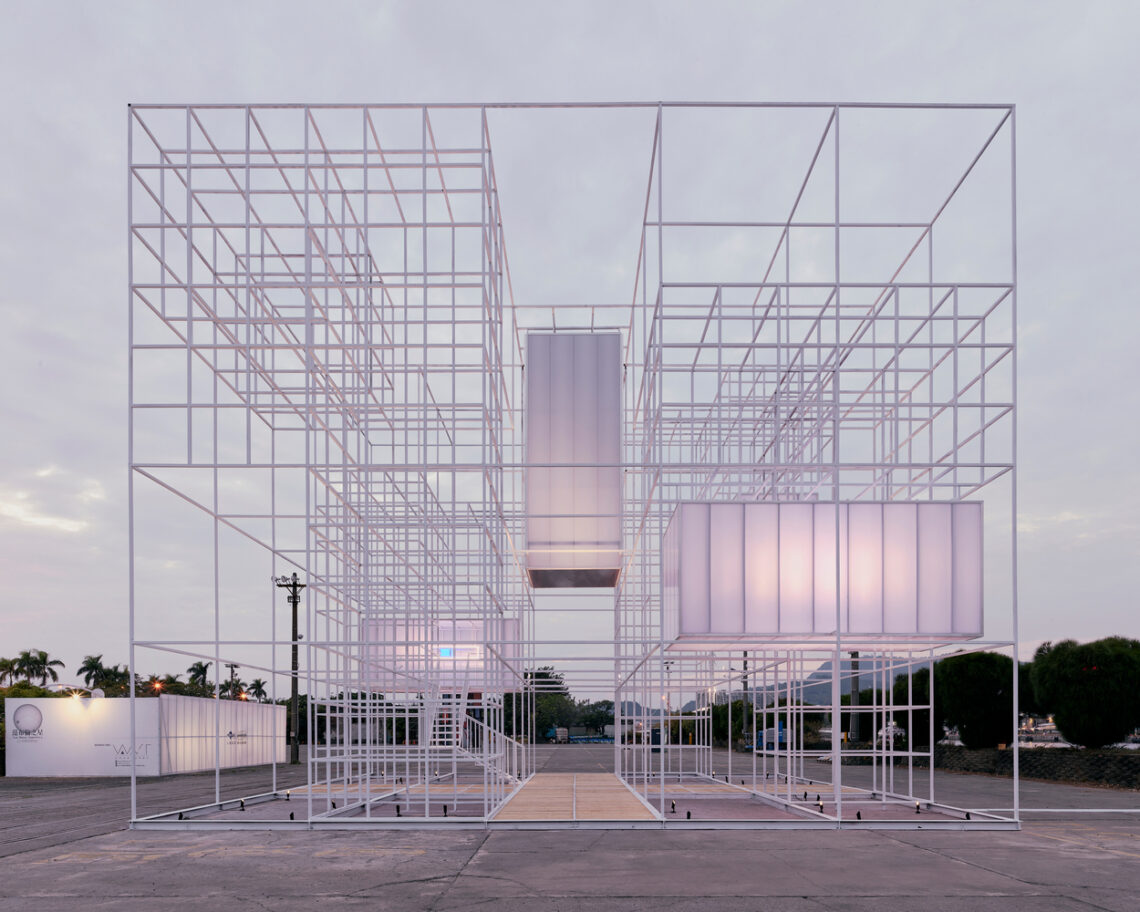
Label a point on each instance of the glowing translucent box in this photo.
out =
(410, 656)
(573, 453)
(755, 573)
(196, 732)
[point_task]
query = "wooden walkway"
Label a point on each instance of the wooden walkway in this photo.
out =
(575, 796)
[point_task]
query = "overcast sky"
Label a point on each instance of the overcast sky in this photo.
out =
(68, 70)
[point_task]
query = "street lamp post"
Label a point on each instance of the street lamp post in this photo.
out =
(294, 585)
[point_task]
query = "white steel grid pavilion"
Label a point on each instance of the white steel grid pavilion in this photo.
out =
(327, 376)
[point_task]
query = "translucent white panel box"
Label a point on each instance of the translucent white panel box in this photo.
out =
(452, 656)
(573, 454)
(196, 733)
(756, 573)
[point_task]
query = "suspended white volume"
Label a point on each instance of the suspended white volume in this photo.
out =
(755, 573)
(573, 455)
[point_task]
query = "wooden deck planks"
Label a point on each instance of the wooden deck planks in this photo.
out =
(575, 796)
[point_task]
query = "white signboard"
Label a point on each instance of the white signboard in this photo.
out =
(69, 736)
(173, 734)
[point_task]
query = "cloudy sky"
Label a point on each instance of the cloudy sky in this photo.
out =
(68, 70)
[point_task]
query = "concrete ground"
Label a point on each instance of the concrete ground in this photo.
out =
(66, 849)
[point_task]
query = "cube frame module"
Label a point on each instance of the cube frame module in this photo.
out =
(471, 460)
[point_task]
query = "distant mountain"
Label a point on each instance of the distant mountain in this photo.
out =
(817, 685)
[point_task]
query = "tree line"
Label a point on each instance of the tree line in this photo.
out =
(35, 668)
(553, 707)
(1090, 690)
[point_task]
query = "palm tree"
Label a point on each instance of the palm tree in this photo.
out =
(93, 670)
(8, 671)
(35, 663)
(115, 680)
(257, 689)
(199, 673)
(232, 688)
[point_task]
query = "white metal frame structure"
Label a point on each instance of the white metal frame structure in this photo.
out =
(327, 376)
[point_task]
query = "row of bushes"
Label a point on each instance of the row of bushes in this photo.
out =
(1092, 691)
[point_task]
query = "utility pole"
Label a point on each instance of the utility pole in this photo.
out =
(294, 585)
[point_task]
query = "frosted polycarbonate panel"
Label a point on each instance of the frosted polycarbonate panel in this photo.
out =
(823, 582)
(538, 486)
(900, 569)
(694, 552)
(797, 573)
(670, 596)
(451, 655)
(249, 733)
(726, 561)
(892, 571)
(865, 566)
(573, 477)
(935, 571)
(761, 566)
(968, 567)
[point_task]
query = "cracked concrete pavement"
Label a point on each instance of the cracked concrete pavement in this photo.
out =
(66, 849)
(1058, 865)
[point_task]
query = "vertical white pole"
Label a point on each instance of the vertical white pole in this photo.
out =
(1013, 461)
(836, 701)
(131, 449)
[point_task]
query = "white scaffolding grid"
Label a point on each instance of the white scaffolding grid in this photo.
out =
(326, 377)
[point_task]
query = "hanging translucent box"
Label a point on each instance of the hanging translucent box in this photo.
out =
(413, 656)
(573, 456)
(750, 574)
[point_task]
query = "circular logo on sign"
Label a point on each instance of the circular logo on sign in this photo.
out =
(27, 719)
